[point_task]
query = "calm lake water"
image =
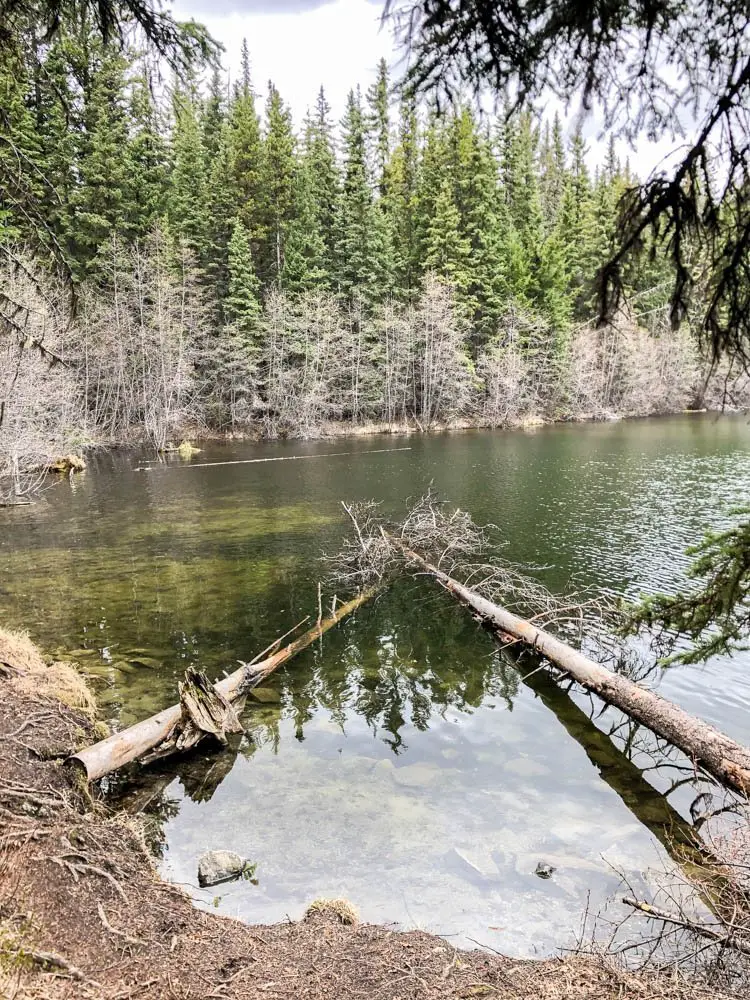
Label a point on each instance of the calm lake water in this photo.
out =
(403, 762)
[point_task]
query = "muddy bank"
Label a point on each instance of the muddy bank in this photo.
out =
(83, 913)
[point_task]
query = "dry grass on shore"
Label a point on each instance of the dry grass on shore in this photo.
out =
(30, 676)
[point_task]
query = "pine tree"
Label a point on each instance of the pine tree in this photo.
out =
(379, 126)
(364, 253)
(277, 185)
(147, 162)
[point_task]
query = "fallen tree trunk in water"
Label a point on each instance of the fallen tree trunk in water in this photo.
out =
(717, 753)
(122, 748)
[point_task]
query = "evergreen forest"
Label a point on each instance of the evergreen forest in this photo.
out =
(235, 271)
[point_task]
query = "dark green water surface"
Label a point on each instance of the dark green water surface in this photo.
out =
(402, 762)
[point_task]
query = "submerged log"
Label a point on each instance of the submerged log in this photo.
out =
(724, 758)
(129, 745)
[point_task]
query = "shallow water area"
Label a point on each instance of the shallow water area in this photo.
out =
(404, 761)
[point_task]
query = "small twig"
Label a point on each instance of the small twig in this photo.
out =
(277, 642)
(54, 961)
(113, 930)
(25, 725)
(725, 940)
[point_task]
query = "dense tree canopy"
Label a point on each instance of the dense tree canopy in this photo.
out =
(654, 68)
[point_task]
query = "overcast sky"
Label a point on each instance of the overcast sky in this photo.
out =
(303, 44)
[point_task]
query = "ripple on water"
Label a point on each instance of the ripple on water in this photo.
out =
(404, 764)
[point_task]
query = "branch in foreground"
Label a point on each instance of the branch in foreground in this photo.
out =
(723, 939)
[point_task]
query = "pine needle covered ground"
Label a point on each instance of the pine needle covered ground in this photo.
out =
(84, 915)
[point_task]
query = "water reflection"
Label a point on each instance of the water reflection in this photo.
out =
(402, 761)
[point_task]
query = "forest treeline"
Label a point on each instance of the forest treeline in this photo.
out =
(236, 273)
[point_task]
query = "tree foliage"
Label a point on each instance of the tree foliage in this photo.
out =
(649, 66)
(714, 616)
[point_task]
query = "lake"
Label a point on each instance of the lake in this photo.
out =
(404, 761)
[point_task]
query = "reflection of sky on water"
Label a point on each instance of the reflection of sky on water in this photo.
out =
(446, 837)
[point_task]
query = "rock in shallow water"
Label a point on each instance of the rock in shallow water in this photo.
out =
(220, 866)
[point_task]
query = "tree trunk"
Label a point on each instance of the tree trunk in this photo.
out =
(726, 760)
(122, 748)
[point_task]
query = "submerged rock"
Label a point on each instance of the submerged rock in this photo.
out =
(221, 866)
(264, 695)
(544, 870)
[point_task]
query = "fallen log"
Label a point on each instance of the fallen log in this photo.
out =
(724, 758)
(136, 741)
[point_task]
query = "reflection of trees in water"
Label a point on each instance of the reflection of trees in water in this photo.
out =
(397, 668)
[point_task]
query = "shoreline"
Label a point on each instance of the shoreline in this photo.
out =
(84, 913)
(336, 431)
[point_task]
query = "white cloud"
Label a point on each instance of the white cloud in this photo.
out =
(334, 44)
(303, 44)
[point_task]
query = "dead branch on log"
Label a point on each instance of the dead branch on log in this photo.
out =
(204, 712)
(702, 930)
(134, 743)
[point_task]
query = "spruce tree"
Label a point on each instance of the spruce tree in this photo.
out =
(246, 152)
(242, 304)
(277, 185)
(308, 262)
(100, 197)
(364, 252)
(212, 117)
(552, 173)
(575, 222)
(379, 126)
(446, 252)
(310, 251)
(222, 209)
(187, 206)
(484, 220)
(400, 200)
(58, 110)
(147, 162)
(20, 151)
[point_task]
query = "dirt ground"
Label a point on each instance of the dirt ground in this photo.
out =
(84, 915)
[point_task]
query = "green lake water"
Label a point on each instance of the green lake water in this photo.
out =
(404, 761)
